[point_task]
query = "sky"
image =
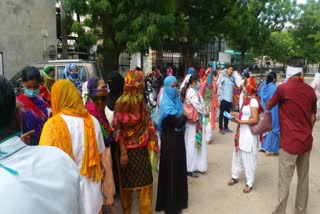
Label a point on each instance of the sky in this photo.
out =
(301, 1)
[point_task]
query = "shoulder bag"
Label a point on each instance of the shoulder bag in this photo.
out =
(264, 125)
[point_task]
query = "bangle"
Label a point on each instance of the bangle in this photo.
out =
(123, 153)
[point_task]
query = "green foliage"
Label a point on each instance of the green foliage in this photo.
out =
(280, 46)
(200, 20)
(306, 32)
(250, 23)
(85, 38)
(125, 25)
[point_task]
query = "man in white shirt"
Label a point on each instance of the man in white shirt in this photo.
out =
(33, 179)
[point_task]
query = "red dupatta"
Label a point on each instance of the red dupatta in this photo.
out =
(31, 106)
(246, 101)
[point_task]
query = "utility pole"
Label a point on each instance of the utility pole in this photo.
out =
(2, 63)
(64, 36)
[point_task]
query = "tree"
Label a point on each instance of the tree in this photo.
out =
(125, 26)
(280, 46)
(250, 23)
(197, 23)
(306, 31)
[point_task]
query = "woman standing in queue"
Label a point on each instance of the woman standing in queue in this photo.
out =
(195, 134)
(34, 110)
(172, 194)
(96, 103)
(270, 142)
(72, 129)
(246, 143)
(138, 144)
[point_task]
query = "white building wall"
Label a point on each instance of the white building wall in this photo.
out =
(21, 40)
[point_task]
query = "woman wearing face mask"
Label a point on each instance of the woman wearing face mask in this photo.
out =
(172, 195)
(97, 94)
(34, 111)
(195, 140)
(138, 144)
(71, 73)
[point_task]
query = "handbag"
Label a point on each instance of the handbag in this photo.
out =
(191, 112)
(264, 125)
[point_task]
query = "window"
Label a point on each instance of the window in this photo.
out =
(81, 70)
(60, 72)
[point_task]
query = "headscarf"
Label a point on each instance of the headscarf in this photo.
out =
(72, 76)
(191, 70)
(245, 73)
(66, 100)
(291, 71)
(92, 88)
(46, 71)
(115, 84)
(170, 103)
(48, 80)
(187, 77)
(131, 116)
(251, 86)
(202, 72)
(316, 77)
(101, 117)
(94, 92)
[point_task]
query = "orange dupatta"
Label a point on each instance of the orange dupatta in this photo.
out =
(66, 100)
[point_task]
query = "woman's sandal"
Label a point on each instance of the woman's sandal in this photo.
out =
(247, 189)
(233, 181)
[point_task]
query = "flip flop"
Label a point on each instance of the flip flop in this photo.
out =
(247, 189)
(232, 181)
(193, 175)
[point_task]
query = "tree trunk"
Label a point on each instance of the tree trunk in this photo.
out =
(187, 56)
(243, 49)
(64, 36)
(110, 61)
(110, 50)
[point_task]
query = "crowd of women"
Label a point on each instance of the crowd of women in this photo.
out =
(106, 128)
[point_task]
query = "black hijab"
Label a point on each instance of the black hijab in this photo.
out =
(116, 83)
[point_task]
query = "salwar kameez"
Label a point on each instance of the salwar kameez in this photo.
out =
(245, 157)
(135, 132)
(196, 152)
(137, 176)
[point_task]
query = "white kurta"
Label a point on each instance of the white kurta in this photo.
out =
(195, 161)
(48, 180)
(316, 86)
(109, 115)
(90, 191)
(246, 157)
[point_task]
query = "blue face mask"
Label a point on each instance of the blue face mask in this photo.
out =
(74, 75)
(172, 92)
(31, 93)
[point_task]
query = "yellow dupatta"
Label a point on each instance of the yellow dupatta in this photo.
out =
(66, 100)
